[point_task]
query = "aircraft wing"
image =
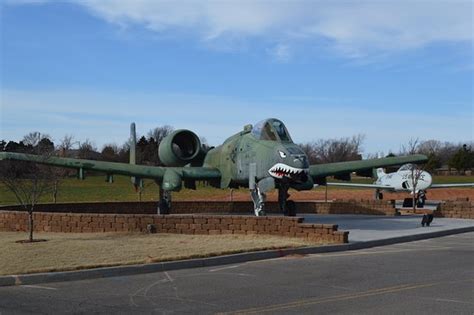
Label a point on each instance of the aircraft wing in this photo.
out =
(355, 185)
(142, 171)
(451, 185)
(343, 168)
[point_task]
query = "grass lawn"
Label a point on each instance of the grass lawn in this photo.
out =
(95, 189)
(68, 251)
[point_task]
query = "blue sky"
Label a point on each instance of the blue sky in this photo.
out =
(390, 70)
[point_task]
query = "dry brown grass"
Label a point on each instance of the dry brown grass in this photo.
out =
(70, 251)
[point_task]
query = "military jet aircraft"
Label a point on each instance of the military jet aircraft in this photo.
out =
(260, 157)
(404, 179)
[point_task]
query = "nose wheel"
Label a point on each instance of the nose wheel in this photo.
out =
(164, 203)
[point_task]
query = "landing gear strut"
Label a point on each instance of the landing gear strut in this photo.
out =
(420, 199)
(164, 204)
(258, 198)
(287, 207)
(378, 195)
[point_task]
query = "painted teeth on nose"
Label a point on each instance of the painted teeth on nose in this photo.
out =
(281, 170)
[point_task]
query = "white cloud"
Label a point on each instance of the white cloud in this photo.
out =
(354, 28)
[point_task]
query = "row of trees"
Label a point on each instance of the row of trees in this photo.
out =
(334, 150)
(458, 156)
(146, 149)
(441, 154)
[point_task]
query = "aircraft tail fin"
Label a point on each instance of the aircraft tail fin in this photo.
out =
(379, 172)
(133, 144)
(136, 181)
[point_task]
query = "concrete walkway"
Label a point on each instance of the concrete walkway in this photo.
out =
(364, 228)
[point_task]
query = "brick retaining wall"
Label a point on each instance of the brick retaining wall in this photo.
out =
(11, 221)
(449, 209)
(351, 206)
(375, 207)
(461, 209)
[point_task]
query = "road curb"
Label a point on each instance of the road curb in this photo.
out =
(106, 272)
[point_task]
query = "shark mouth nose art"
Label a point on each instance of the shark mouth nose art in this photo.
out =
(281, 170)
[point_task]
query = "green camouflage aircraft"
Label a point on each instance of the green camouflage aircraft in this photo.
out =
(260, 157)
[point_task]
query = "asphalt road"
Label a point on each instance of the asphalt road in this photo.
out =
(433, 276)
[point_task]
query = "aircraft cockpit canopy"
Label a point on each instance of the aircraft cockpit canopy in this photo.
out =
(407, 167)
(271, 129)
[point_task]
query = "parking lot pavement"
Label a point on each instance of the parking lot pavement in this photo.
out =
(374, 227)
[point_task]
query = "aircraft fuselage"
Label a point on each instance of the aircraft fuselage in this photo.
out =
(403, 180)
(282, 161)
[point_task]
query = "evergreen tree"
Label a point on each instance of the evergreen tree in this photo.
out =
(463, 159)
(433, 162)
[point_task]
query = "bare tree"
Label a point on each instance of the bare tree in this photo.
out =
(110, 152)
(65, 145)
(411, 147)
(33, 138)
(414, 146)
(334, 150)
(124, 153)
(431, 149)
(64, 150)
(416, 173)
(147, 147)
(311, 152)
(87, 150)
(28, 182)
(428, 147)
(159, 133)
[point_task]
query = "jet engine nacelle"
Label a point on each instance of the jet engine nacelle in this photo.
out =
(179, 148)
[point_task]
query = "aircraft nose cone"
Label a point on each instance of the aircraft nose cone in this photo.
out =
(300, 162)
(428, 179)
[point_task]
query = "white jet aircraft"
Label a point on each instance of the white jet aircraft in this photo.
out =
(402, 180)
